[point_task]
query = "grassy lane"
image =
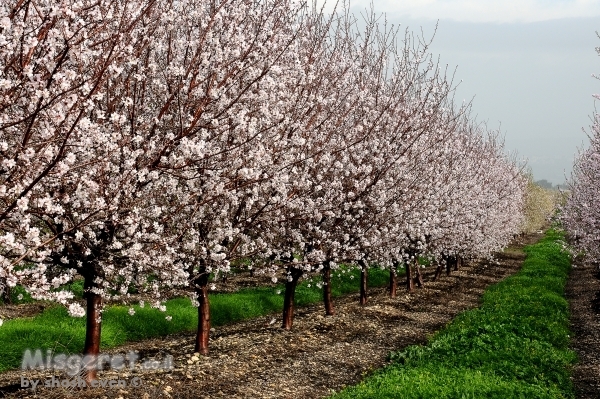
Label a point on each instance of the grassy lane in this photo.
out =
(514, 346)
(55, 329)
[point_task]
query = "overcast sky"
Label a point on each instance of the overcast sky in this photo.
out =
(526, 64)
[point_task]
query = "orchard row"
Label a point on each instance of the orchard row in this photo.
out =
(149, 144)
(581, 214)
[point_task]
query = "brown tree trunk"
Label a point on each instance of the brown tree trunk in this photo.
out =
(327, 301)
(438, 272)
(288, 300)
(5, 293)
(364, 274)
(419, 276)
(393, 279)
(93, 327)
(410, 286)
(458, 264)
(449, 266)
(203, 332)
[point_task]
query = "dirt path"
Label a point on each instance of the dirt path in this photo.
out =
(256, 359)
(583, 293)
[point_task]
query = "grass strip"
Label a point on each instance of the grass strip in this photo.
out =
(514, 346)
(55, 329)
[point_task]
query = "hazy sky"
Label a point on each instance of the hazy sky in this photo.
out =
(528, 65)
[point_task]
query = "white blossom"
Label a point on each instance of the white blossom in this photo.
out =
(76, 310)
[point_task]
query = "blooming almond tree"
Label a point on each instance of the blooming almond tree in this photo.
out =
(236, 60)
(581, 214)
(50, 71)
(95, 210)
(332, 213)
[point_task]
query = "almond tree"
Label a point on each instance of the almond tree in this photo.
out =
(580, 215)
(96, 207)
(50, 71)
(237, 61)
(332, 215)
(319, 97)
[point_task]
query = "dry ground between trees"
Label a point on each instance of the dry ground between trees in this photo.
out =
(321, 355)
(583, 293)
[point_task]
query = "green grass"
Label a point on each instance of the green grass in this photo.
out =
(514, 346)
(55, 329)
(18, 295)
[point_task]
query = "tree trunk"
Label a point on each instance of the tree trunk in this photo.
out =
(364, 274)
(93, 326)
(458, 264)
(5, 293)
(203, 332)
(393, 279)
(410, 287)
(419, 276)
(327, 301)
(288, 301)
(449, 265)
(438, 272)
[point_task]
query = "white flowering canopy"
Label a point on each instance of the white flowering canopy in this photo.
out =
(580, 215)
(146, 142)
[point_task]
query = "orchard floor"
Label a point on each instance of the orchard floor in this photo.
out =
(583, 293)
(321, 355)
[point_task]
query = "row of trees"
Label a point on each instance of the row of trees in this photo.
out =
(581, 214)
(541, 203)
(149, 144)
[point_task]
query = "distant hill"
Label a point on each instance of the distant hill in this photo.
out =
(546, 184)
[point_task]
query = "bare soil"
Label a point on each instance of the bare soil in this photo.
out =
(8, 312)
(321, 355)
(583, 293)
